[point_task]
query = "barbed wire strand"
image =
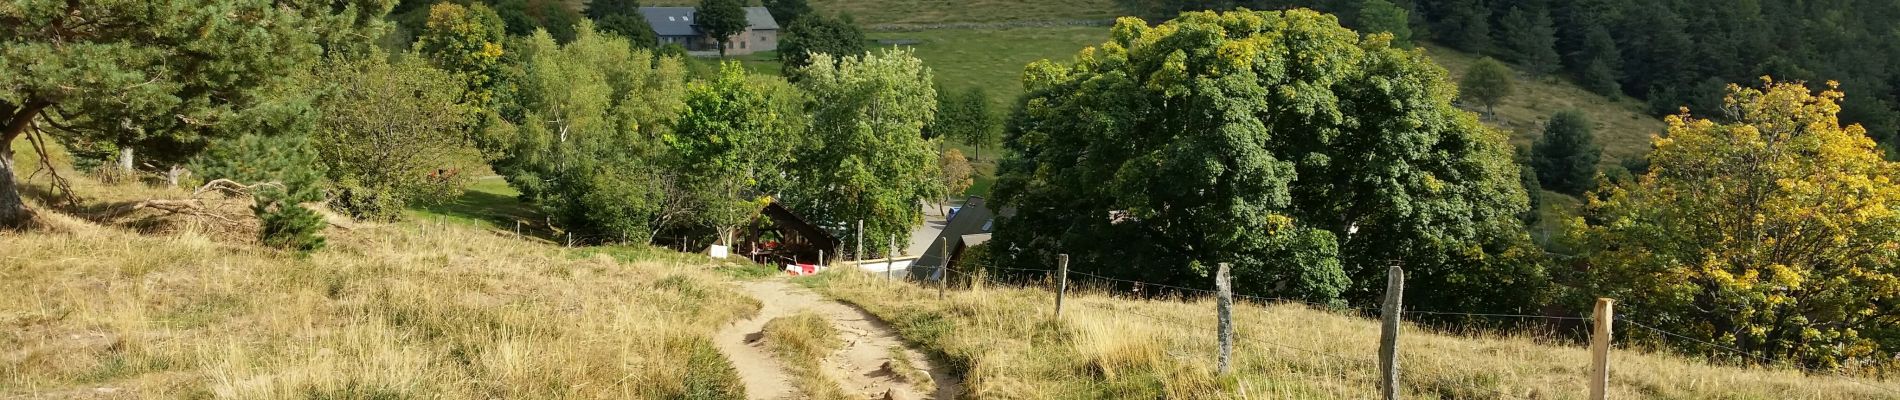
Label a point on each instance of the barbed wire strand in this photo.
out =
(991, 279)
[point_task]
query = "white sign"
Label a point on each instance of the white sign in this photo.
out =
(718, 251)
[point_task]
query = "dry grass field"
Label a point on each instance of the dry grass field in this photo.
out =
(414, 310)
(437, 311)
(1004, 341)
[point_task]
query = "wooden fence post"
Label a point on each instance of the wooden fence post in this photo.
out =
(517, 228)
(1600, 349)
(570, 239)
(943, 270)
(1062, 281)
(1224, 285)
(860, 253)
(890, 260)
(1389, 333)
(821, 259)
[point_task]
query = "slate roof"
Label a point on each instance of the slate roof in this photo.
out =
(969, 227)
(678, 21)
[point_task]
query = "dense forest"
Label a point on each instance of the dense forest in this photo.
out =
(1672, 53)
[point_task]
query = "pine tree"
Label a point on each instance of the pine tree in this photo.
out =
(1465, 25)
(1601, 62)
(1530, 39)
(286, 174)
(1566, 157)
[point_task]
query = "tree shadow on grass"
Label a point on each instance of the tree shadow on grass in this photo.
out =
(495, 209)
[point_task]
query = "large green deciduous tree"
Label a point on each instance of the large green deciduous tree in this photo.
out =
(1566, 156)
(1488, 82)
(721, 19)
(586, 146)
(817, 34)
(391, 133)
(1307, 157)
(865, 157)
(1776, 233)
(161, 76)
(466, 42)
(729, 139)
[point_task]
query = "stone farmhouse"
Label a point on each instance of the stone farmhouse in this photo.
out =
(676, 25)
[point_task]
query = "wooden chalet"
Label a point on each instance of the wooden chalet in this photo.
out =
(783, 237)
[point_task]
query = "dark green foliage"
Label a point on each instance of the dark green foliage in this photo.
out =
(157, 79)
(1566, 156)
(622, 17)
(1383, 16)
(787, 11)
(522, 17)
(1669, 54)
(1528, 38)
(817, 34)
(286, 174)
(286, 224)
(1143, 165)
(1465, 25)
(1657, 58)
(1600, 63)
(721, 19)
(966, 117)
(1527, 177)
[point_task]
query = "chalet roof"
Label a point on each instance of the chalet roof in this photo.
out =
(971, 226)
(679, 21)
(785, 218)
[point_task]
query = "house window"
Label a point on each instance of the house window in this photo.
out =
(741, 45)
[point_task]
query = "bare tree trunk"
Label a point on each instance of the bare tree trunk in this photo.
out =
(13, 212)
(125, 158)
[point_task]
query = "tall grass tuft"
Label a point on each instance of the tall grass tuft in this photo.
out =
(1008, 346)
(393, 311)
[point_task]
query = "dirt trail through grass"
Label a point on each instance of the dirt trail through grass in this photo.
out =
(863, 364)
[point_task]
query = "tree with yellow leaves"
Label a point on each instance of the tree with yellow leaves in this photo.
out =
(1773, 230)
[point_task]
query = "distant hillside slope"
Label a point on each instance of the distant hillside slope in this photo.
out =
(1621, 125)
(925, 12)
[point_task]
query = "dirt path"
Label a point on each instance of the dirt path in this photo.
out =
(858, 367)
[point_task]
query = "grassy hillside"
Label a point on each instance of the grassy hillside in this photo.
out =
(993, 59)
(411, 310)
(1622, 128)
(1005, 342)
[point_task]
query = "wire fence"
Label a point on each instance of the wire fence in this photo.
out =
(1354, 366)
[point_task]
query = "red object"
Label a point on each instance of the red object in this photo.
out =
(802, 269)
